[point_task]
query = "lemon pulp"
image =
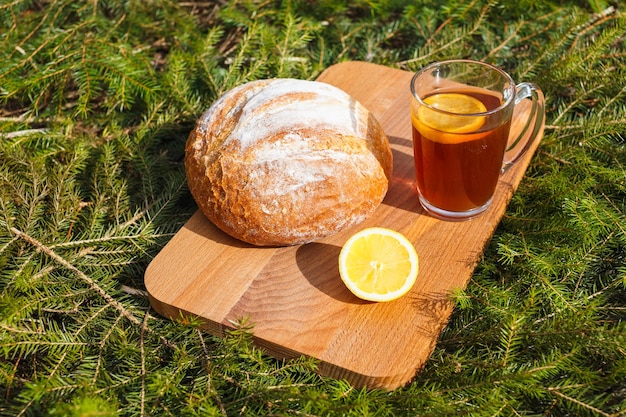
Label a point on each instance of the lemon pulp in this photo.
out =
(378, 264)
(461, 113)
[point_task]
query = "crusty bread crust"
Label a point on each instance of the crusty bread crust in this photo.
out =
(283, 161)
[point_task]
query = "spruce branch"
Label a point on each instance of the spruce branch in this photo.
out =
(102, 344)
(210, 389)
(91, 283)
(25, 132)
(596, 20)
(144, 327)
(558, 393)
(427, 54)
(510, 339)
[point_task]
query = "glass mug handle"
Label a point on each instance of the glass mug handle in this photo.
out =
(534, 123)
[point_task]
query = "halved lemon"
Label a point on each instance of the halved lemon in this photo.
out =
(378, 264)
(461, 104)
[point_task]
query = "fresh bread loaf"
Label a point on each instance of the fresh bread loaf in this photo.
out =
(281, 162)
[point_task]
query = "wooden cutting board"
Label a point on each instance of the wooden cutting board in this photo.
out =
(294, 296)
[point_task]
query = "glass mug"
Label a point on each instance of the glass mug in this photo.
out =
(461, 112)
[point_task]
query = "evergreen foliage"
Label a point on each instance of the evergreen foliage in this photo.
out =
(97, 100)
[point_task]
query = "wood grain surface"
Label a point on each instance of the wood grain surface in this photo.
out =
(294, 297)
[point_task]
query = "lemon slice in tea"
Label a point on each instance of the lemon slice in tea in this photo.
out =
(378, 264)
(458, 103)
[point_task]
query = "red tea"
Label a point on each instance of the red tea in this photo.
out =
(458, 170)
